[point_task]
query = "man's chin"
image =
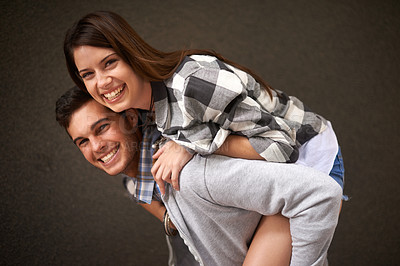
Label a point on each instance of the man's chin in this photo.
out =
(112, 172)
(114, 169)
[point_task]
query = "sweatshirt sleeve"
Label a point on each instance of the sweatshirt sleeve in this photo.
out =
(214, 103)
(308, 197)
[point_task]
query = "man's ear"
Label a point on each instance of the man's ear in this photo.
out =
(132, 116)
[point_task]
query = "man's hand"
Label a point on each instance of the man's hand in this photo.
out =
(171, 158)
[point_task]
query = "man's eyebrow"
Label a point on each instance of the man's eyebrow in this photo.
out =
(98, 121)
(92, 127)
(75, 140)
(102, 60)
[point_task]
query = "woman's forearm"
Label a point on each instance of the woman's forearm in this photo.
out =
(238, 147)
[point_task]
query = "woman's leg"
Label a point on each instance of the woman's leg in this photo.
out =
(272, 243)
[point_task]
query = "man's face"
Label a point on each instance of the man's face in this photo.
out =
(108, 140)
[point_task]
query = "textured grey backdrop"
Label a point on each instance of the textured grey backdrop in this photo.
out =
(341, 57)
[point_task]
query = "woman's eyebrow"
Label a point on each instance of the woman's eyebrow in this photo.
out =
(105, 58)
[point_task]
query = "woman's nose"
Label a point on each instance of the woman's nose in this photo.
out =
(103, 80)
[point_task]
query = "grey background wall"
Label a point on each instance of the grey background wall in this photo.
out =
(340, 57)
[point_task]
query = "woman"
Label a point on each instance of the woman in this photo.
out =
(201, 100)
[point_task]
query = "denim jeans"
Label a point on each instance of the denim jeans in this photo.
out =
(337, 172)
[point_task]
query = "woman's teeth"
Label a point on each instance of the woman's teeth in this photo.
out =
(108, 157)
(114, 94)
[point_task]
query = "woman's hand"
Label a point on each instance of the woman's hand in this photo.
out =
(171, 158)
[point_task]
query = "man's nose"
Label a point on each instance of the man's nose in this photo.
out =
(98, 144)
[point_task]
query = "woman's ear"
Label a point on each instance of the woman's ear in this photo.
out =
(132, 116)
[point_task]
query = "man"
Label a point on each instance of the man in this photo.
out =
(221, 200)
(110, 141)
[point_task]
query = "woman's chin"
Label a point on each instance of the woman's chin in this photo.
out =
(117, 107)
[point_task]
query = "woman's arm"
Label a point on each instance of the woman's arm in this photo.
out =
(214, 101)
(172, 157)
(238, 147)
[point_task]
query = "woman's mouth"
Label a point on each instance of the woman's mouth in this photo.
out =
(112, 96)
(108, 157)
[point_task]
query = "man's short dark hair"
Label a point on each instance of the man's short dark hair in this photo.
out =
(68, 103)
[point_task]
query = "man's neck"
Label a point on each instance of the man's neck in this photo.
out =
(132, 169)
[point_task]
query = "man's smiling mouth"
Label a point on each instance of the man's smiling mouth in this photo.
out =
(109, 156)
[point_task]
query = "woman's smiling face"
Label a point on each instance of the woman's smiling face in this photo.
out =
(110, 80)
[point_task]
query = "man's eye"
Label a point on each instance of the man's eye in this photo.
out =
(82, 142)
(103, 127)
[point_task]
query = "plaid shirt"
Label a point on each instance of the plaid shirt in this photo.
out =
(206, 100)
(143, 188)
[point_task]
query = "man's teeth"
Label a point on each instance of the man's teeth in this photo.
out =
(114, 94)
(108, 157)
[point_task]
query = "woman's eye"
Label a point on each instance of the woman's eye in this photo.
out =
(110, 62)
(86, 75)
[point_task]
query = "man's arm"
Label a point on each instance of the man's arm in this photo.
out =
(156, 208)
(309, 198)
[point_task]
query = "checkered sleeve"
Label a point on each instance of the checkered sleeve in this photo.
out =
(296, 116)
(207, 102)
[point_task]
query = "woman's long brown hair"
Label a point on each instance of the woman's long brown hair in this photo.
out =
(109, 30)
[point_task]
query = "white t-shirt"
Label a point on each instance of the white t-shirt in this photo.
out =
(320, 151)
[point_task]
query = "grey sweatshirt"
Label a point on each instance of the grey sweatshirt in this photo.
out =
(221, 201)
